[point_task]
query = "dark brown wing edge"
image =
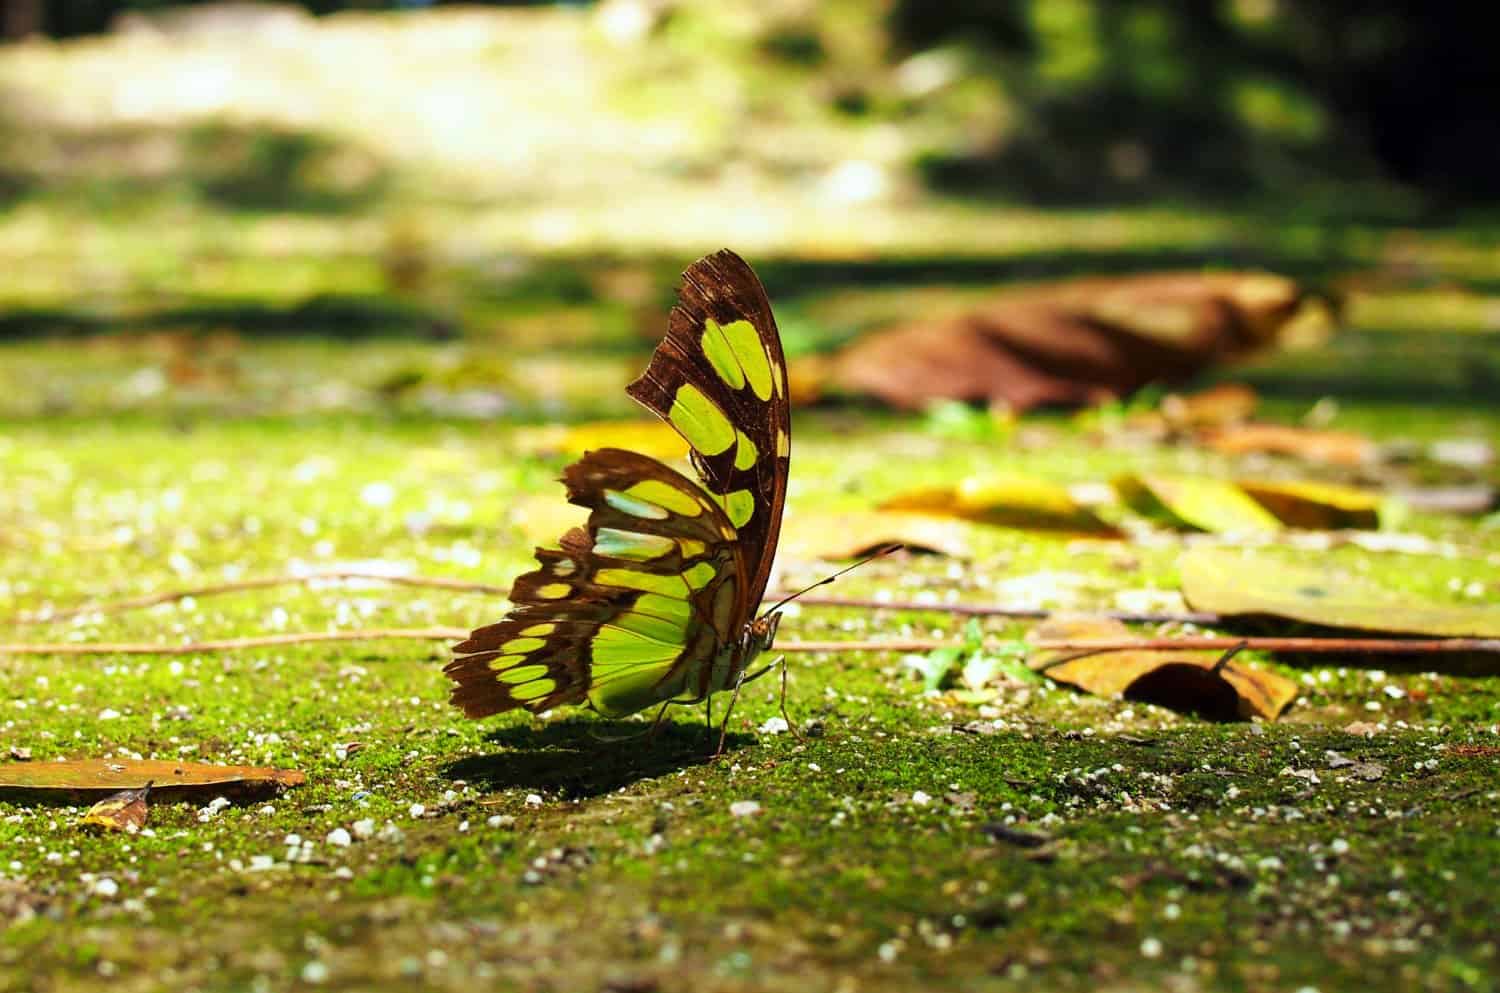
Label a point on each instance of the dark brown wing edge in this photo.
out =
(576, 616)
(724, 287)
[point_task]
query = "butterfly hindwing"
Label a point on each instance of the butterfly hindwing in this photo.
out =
(719, 378)
(622, 613)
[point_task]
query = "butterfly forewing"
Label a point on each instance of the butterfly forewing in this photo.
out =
(719, 378)
(624, 612)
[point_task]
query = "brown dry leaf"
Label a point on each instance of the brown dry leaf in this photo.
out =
(1333, 447)
(654, 438)
(1006, 501)
(1232, 582)
(854, 534)
(123, 811)
(1217, 406)
(1212, 505)
(1316, 506)
(93, 779)
(1189, 681)
(1079, 342)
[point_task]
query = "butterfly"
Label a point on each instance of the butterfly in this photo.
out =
(654, 600)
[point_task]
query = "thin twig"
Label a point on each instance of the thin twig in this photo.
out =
(1370, 646)
(258, 583)
(231, 644)
(1324, 646)
(995, 610)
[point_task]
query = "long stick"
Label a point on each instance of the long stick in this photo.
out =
(258, 583)
(1324, 646)
(996, 610)
(466, 586)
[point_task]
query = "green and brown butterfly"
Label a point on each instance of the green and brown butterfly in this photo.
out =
(654, 601)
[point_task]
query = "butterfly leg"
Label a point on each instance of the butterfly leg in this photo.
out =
(733, 697)
(781, 660)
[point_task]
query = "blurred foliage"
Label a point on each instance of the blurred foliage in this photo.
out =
(1094, 101)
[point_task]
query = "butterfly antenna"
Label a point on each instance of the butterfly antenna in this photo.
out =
(878, 553)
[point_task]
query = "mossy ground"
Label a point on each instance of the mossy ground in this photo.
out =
(1181, 853)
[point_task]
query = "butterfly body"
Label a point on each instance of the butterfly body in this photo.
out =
(654, 600)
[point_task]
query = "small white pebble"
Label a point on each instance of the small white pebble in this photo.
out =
(501, 821)
(1339, 847)
(108, 714)
(773, 725)
(1151, 948)
(364, 829)
(339, 838)
(921, 799)
(533, 800)
(744, 808)
(106, 888)
(315, 972)
(416, 810)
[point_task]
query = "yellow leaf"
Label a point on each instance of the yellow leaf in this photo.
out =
(654, 438)
(1194, 502)
(857, 533)
(1005, 501)
(1316, 506)
(1246, 582)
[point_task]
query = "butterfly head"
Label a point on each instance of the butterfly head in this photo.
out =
(761, 632)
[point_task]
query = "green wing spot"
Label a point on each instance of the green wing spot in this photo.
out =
(723, 612)
(668, 608)
(666, 495)
(744, 452)
(701, 423)
(553, 591)
(699, 575)
(740, 506)
(751, 354)
(538, 630)
(691, 547)
(563, 567)
(783, 443)
(614, 646)
(721, 354)
(659, 629)
(523, 645)
(630, 545)
(780, 385)
(533, 690)
(646, 582)
(520, 674)
(634, 506)
(629, 688)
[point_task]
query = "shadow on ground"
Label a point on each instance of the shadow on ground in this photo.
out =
(586, 758)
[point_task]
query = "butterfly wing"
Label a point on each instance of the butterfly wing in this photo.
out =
(630, 610)
(719, 378)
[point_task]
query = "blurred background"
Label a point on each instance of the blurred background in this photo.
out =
(206, 199)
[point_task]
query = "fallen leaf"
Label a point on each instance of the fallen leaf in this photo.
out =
(1078, 342)
(1006, 501)
(123, 811)
(854, 534)
(1234, 583)
(1217, 406)
(654, 438)
(1307, 444)
(1191, 681)
(1316, 506)
(1213, 505)
(90, 779)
